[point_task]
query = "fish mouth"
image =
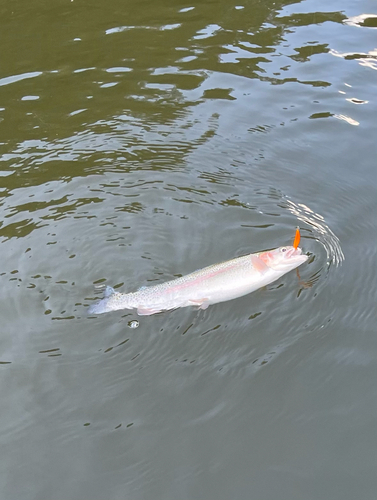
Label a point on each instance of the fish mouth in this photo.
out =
(293, 252)
(295, 255)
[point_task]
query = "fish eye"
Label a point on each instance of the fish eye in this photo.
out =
(283, 249)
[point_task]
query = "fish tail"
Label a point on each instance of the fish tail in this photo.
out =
(103, 305)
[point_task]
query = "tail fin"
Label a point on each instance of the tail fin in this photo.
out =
(101, 306)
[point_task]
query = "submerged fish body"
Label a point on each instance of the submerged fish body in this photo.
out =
(210, 285)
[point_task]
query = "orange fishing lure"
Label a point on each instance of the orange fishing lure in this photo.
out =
(297, 238)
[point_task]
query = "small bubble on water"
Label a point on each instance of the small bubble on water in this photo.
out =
(133, 324)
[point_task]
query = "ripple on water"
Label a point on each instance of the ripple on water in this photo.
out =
(319, 229)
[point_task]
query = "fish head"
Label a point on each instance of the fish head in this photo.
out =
(283, 259)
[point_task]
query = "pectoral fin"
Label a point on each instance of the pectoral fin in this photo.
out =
(204, 305)
(258, 264)
(201, 303)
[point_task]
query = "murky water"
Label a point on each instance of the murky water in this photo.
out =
(142, 141)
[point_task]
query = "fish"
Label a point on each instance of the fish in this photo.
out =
(213, 284)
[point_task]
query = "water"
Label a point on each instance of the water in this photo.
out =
(140, 142)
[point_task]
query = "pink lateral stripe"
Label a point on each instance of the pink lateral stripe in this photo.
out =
(202, 278)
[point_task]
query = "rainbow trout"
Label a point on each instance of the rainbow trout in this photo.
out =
(210, 285)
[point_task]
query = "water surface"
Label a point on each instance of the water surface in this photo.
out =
(142, 141)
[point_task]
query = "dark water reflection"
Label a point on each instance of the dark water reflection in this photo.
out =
(140, 142)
